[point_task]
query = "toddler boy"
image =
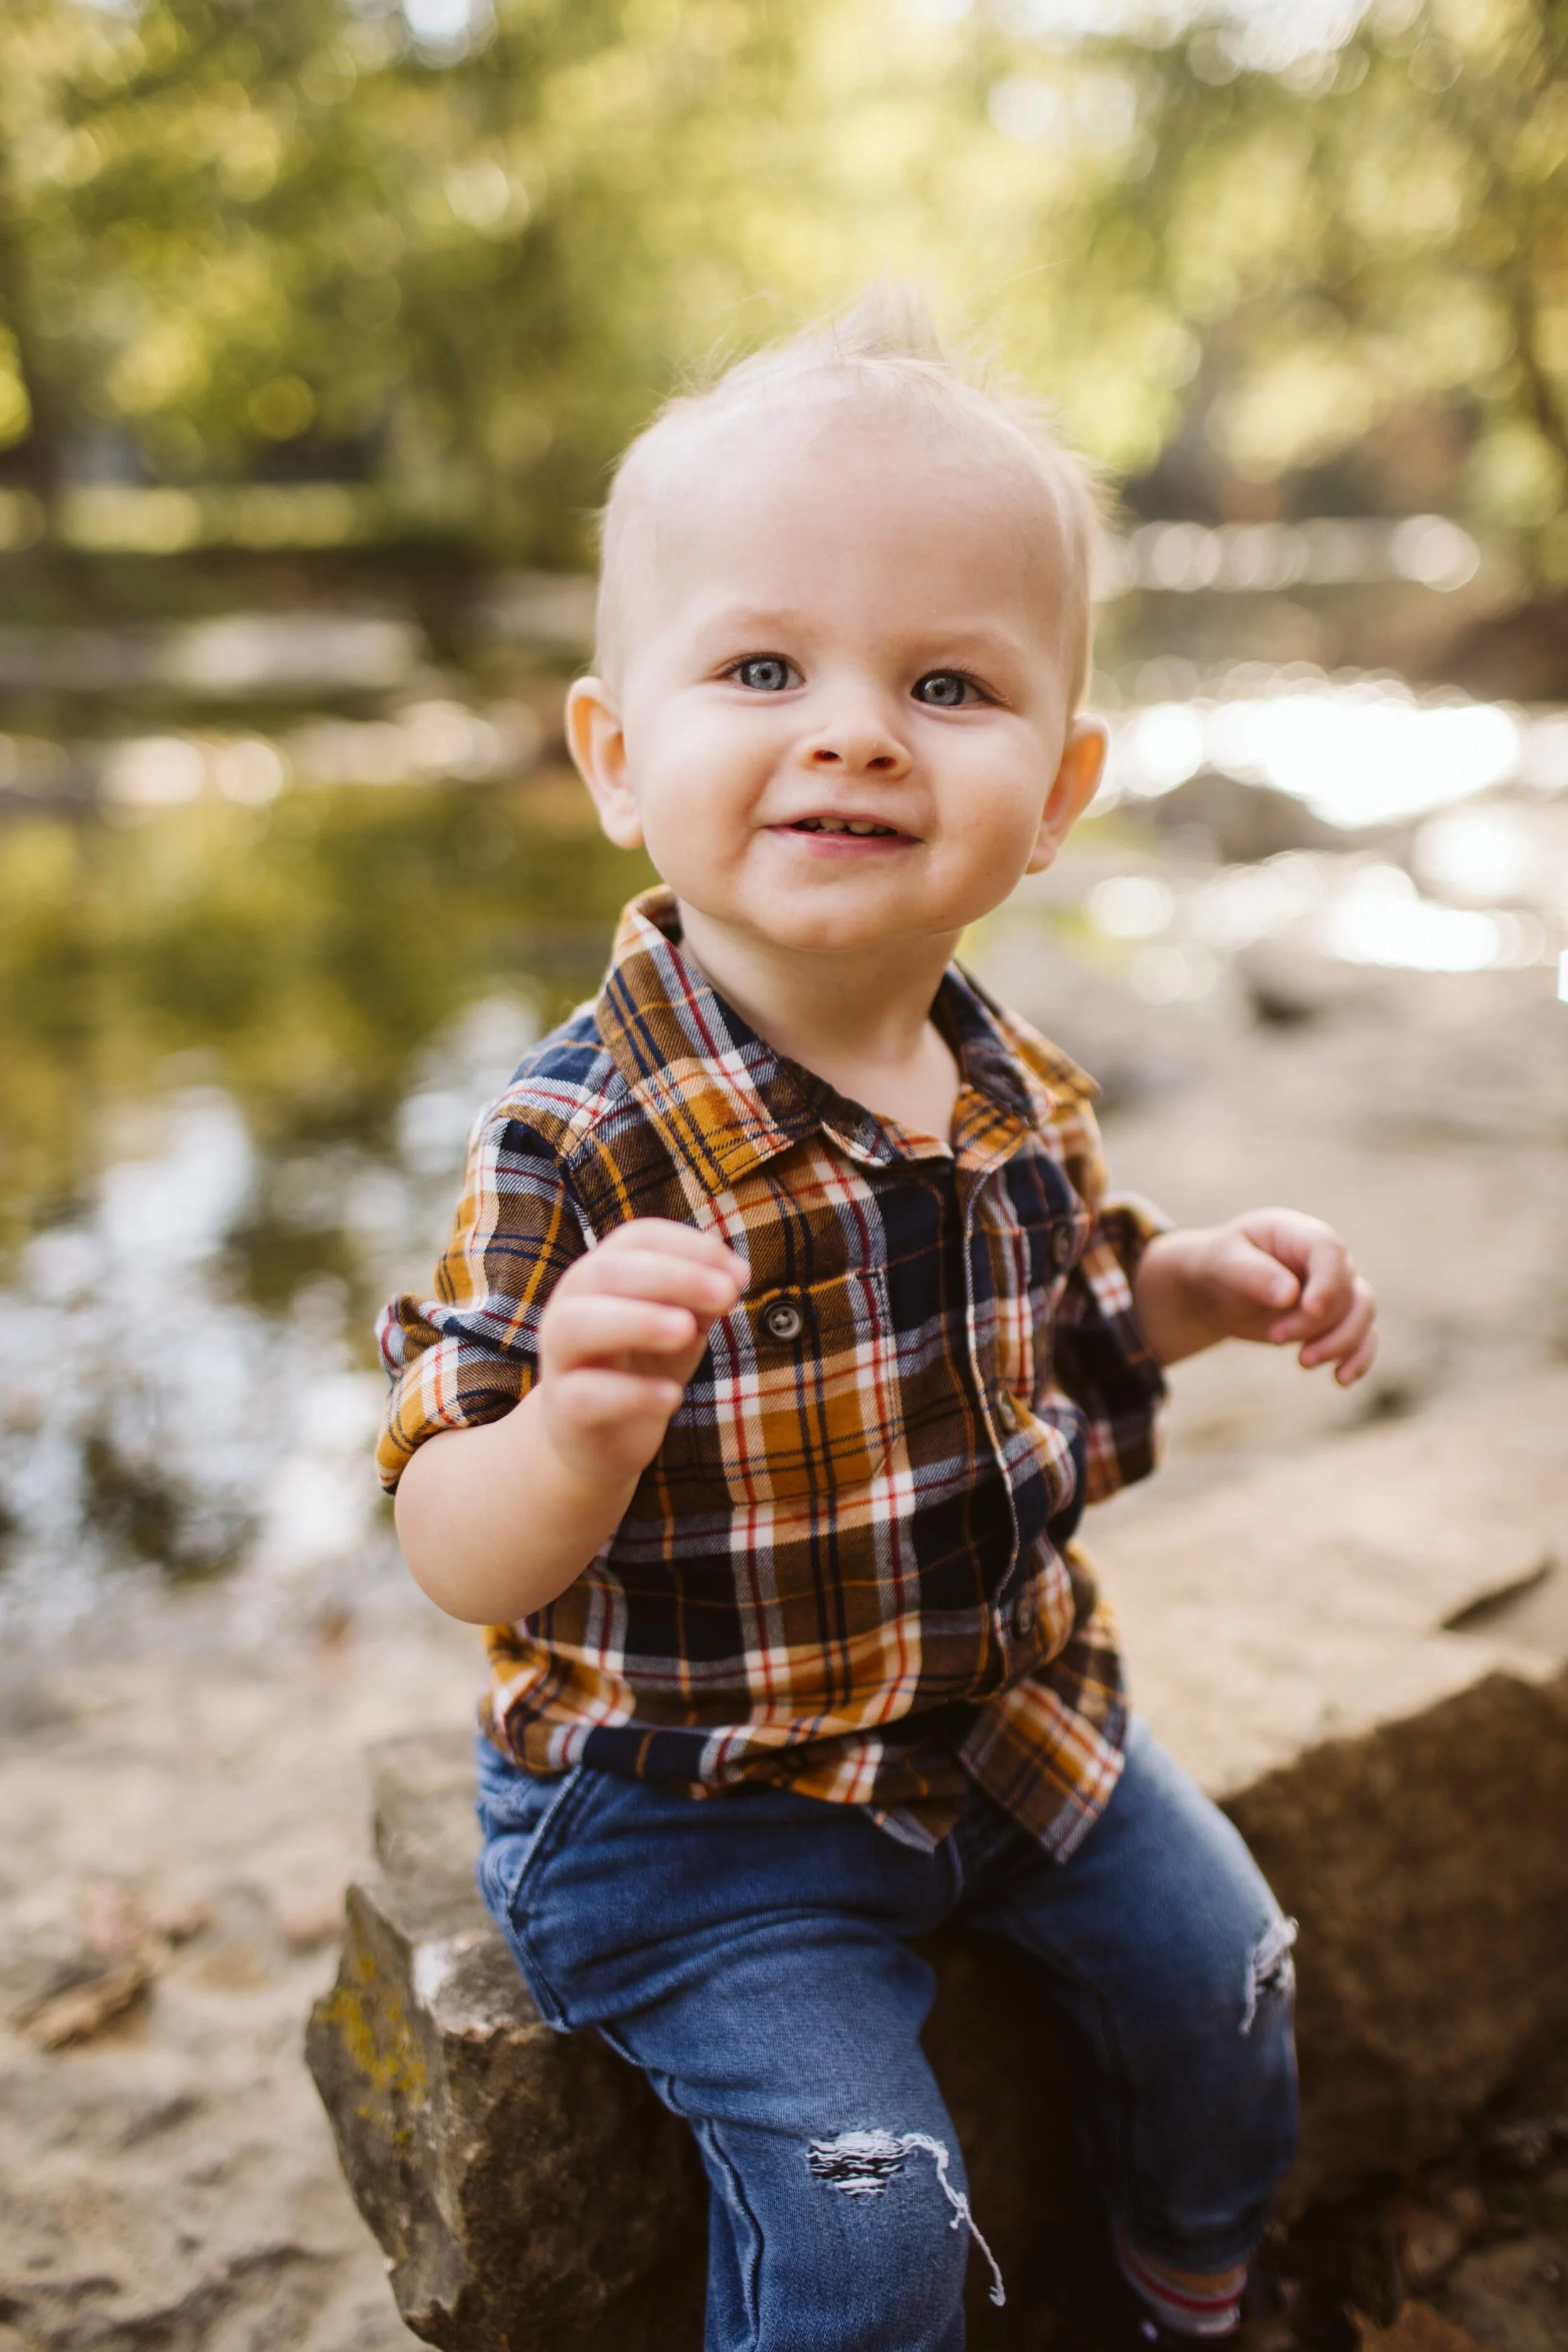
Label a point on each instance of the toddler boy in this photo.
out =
(783, 1334)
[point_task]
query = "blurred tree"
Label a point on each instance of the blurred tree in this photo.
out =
(1335, 226)
(459, 246)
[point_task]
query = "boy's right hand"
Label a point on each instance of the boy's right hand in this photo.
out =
(623, 1333)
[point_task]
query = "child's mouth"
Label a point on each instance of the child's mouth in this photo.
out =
(862, 828)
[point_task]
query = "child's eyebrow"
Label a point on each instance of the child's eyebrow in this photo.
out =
(930, 644)
(982, 642)
(743, 623)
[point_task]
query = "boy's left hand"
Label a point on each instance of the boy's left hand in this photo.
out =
(1274, 1276)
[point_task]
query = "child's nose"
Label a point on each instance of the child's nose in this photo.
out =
(863, 748)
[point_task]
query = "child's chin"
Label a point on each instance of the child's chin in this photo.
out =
(836, 930)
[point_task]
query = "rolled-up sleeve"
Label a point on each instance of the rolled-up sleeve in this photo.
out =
(468, 1352)
(1102, 1359)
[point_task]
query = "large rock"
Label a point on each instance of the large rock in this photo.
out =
(1360, 1653)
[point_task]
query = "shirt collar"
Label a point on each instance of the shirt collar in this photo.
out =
(727, 1102)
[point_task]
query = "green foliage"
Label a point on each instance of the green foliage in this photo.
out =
(1344, 250)
(260, 238)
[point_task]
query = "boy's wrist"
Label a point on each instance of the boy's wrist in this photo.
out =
(1168, 1296)
(579, 1463)
(591, 1448)
(500, 1528)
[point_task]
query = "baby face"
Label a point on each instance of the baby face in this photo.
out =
(840, 717)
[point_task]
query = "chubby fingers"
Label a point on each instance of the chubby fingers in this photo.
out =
(653, 1258)
(703, 1286)
(1252, 1274)
(1327, 1280)
(621, 1334)
(1314, 1263)
(596, 1327)
(652, 1288)
(1333, 1319)
(1352, 1344)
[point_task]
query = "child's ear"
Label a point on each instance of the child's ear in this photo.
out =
(597, 742)
(1074, 786)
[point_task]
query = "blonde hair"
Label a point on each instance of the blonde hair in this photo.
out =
(887, 342)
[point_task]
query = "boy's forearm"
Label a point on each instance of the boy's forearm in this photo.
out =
(494, 1525)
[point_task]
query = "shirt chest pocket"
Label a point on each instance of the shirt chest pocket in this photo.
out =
(795, 1401)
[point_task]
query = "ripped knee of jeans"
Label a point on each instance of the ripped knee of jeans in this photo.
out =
(1270, 1970)
(861, 2163)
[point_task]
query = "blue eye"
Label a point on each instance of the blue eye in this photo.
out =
(764, 674)
(944, 689)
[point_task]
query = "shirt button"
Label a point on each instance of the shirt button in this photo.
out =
(783, 1319)
(1064, 1241)
(1024, 1611)
(1007, 1411)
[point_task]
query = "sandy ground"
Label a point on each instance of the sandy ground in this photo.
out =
(170, 2180)
(178, 1814)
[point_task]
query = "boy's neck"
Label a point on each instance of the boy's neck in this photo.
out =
(861, 1020)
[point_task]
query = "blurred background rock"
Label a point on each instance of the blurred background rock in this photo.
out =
(320, 321)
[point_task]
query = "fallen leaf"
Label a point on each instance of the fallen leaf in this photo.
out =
(1416, 2328)
(86, 2008)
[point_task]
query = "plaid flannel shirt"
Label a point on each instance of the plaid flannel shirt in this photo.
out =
(849, 1566)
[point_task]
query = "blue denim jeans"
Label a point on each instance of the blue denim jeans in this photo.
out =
(751, 1954)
